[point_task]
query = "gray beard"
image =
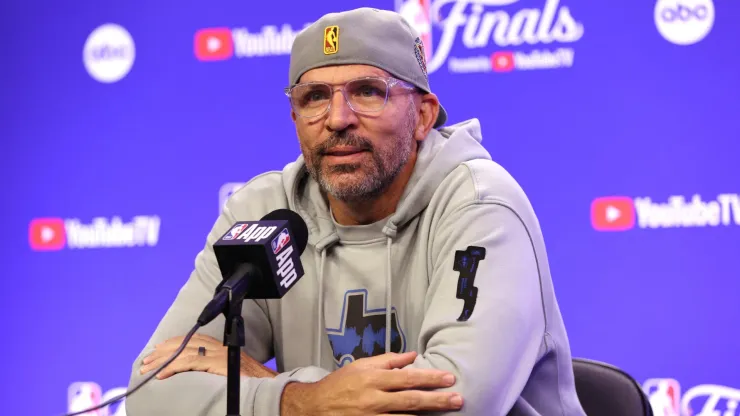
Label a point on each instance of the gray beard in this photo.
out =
(378, 173)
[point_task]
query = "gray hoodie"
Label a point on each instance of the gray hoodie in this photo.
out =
(459, 273)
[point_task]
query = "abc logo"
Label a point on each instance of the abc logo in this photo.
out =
(684, 22)
(109, 53)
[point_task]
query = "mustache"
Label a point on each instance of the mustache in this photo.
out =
(343, 139)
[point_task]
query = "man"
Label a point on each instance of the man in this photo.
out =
(426, 283)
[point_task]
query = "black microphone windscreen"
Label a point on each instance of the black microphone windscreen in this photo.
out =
(298, 227)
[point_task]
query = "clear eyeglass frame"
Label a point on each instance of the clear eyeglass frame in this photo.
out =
(390, 82)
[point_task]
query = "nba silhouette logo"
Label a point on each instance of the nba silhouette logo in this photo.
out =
(234, 232)
(664, 395)
(280, 241)
(83, 395)
(419, 16)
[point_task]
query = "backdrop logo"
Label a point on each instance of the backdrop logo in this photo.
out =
(664, 395)
(620, 213)
(213, 44)
(703, 400)
(109, 53)
(684, 22)
(221, 43)
(84, 395)
(496, 36)
(52, 234)
(47, 234)
(710, 398)
(612, 213)
(418, 14)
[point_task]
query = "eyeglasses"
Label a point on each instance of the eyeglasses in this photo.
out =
(363, 95)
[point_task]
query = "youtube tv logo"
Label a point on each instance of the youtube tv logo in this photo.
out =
(214, 44)
(621, 213)
(613, 213)
(47, 234)
(53, 234)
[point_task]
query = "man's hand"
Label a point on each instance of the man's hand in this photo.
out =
(214, 361)
(372, 386)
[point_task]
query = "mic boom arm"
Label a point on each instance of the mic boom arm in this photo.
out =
(230, 291)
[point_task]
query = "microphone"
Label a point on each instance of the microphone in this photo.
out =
(258, 260)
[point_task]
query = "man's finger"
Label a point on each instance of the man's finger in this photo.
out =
(390, 361)
(155, 355)
(206, 338)
(153, 365)
(188, 363)
(159, 357)
(415, 400)
(413, 378)
(175, 342)
(171, 341)
(169, 346)
(162, 350)
(206, 341)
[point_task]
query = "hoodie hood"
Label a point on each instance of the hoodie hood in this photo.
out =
(438, 155)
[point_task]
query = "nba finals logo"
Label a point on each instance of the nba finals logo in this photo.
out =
(495, 36)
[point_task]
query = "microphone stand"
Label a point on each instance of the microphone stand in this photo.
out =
(236, 288)
(234, 339)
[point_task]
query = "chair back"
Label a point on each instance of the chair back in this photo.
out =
(605, 390)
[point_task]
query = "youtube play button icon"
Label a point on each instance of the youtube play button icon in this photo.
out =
(47, 234)
(214, 44)
(613, 213)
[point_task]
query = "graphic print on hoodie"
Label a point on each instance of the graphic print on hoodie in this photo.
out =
(361, 333)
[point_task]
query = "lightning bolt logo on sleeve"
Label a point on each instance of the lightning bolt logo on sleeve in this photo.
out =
(466, 262)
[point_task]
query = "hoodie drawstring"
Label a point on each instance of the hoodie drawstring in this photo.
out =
(320, 322)
(390, 232)
(388, 299)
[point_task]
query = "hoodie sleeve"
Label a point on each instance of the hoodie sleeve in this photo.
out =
(199, 393)
(483, 249)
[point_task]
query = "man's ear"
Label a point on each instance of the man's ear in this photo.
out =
(428, 108)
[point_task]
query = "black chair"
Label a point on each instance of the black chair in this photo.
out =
(605, 390)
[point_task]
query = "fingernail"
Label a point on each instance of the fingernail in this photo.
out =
(449, 379)
(456, 400)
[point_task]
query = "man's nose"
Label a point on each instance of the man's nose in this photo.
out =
(340, 114)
